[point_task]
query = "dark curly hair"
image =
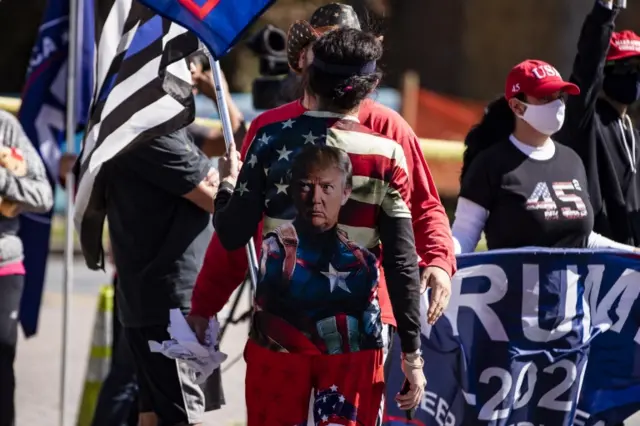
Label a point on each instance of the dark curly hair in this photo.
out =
(496, 125)
(344, 47)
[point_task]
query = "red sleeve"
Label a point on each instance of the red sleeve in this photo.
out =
(221, 273)
(434, 242)
(431, 227)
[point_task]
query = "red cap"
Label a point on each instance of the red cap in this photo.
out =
(537, 79)
(623, 45)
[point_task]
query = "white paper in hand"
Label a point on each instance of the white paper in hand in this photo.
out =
(184, 346)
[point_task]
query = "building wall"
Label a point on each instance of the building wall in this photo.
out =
(467, 47)
(459, 47)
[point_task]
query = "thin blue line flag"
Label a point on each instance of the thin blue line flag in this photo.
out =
(217, 23)
(43, 117)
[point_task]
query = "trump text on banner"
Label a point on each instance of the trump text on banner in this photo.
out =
(532, 338)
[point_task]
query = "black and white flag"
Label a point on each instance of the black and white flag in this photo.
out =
(142, 89)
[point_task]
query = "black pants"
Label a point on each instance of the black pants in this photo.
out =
(117, 404)
(10, 294)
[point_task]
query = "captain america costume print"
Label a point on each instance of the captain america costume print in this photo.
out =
(316, 303)
(317, 322)
(323, 289)
(377, 209)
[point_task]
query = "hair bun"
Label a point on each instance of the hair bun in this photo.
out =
(346, 48)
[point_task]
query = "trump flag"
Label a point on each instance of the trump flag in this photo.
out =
(43, 117)
(532, 338)
(218, 23)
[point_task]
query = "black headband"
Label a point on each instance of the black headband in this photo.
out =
(367, 68)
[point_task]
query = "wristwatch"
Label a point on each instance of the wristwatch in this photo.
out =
(226, 187)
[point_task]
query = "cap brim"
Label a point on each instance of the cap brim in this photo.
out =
(555, 86)
(622, 55)
(300, 34)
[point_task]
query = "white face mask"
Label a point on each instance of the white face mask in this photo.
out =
(547, 118)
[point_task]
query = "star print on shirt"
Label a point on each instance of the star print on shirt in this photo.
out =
(283, 154)
(242, 188)
(336, 279)
(309, 138)
(253, 160)
(282, 187)
(288, 123)
(266, 171)
(264, 138)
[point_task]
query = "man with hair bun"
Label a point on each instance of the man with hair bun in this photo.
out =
(336, 344)
(223, 270)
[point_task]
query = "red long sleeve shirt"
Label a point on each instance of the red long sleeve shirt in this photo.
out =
(223, 271)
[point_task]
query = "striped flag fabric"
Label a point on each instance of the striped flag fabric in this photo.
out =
(142, 89)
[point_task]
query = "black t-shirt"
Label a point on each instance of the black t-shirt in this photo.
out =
(158, 237)
(541, 203)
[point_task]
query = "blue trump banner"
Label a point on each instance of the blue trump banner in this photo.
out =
(218, 23)
(42, 115)
(527, 335)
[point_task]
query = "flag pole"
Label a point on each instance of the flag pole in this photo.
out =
(70, 188)
(227, 131)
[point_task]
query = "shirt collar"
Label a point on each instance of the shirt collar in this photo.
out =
(327, 114)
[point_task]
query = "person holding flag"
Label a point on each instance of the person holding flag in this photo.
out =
(375, 213)
(42, 114)
(223, 270)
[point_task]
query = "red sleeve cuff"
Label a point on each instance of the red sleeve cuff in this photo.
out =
(443, 264)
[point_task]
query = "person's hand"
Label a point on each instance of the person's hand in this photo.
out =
(440, 283)
(66, 163)
(412, 365)
(213, 179)
(199, 326)
(229, 166)
(203, 81)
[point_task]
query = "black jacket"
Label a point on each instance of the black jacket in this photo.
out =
(593, 129)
